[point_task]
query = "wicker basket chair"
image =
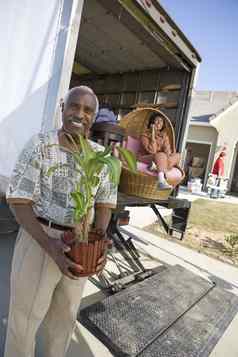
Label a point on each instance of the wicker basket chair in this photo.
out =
(142, 183)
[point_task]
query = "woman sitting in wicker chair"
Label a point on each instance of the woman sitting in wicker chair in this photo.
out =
(156, 150)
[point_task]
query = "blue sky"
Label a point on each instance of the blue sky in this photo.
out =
(212, 27)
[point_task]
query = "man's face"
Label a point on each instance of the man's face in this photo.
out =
(78, 113)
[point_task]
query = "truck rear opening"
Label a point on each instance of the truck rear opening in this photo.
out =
(131, 52)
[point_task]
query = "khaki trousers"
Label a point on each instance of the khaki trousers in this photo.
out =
(39, 291)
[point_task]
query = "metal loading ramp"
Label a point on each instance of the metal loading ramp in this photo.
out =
(174, 313)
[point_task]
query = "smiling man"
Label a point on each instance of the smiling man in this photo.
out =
(42, 285)
(78, 111)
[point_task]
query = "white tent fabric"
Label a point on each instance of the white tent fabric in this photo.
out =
(34, 36)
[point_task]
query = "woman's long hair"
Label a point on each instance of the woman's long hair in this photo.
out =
(152, 118)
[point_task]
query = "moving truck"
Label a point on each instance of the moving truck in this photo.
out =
(131, 52)
(127, 51)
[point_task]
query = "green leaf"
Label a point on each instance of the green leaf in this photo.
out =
(87, 150)
(94, 166)
(87, 189)
(114, 168)
(95, 181)
(78, 200)
(105, 152)
(52, 169)
(116, 171)
(129, 157)
(77, 215)
(79, 159)
(89, 165)
(80, 208)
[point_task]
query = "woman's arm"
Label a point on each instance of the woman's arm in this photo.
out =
(166, 145)
(148, 144)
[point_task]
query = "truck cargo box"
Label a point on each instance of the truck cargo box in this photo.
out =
(131, 52)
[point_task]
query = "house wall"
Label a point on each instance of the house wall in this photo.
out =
(227, 127)
(204, 134)
(234, 172)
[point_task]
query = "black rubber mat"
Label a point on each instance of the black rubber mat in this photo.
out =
(199, 330)
(130, 322)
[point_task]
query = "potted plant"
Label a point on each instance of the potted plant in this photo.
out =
(87, 246)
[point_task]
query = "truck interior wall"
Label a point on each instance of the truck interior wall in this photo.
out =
(124, 91)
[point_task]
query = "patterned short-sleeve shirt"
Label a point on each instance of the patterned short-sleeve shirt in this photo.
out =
(50, 194)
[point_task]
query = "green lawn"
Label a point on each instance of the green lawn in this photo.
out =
(214, 216)
(210, 222)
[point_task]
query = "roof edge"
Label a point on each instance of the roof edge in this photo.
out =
(178, 30)
(223, 111)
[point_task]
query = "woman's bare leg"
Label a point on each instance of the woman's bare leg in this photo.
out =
(146, 159)
(162, 163)
(173, 160)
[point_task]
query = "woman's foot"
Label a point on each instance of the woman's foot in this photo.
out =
(152, 166)
(163, 186)
(162, 183)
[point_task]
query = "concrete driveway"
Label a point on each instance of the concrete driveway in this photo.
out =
(155, 252)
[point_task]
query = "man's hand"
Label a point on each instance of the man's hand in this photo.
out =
(102, 261)
(54, 247)
(57, 250)
(101, 264)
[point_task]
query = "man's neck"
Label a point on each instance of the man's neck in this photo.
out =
(65, 141)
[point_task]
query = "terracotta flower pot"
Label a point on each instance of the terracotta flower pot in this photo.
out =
(85, 253)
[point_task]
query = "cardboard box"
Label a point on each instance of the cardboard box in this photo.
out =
(197, 162)
(195, 171)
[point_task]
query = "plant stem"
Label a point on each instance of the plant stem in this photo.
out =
(82, 228)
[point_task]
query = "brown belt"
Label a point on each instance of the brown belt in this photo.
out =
(53, 225)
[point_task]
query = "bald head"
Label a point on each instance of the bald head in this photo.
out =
(81, 91)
